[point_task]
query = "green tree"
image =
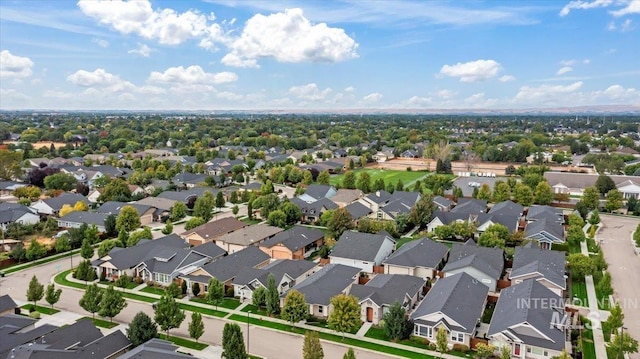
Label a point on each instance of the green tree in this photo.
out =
(614, 200)
(277, 218)
(91, 299)
(10, 164)
(295, 307)
(116, 190)
(19, 253)
(36, 250)
(178, 211)
(35, 291)
(563, 355)
(495, 235)
(501, 192)
(203, 207)
(52, 295)
(220, 201)
(345, 315)
(312, 348)
(128, 219)
(195, 289)
(591, 198)
(505, 352)
(233, 342)
(524, 194)
(323, 177)
(441, 340)
(575, 234)
(349, 180)
(141, 329)
(616, 317)
(396, 326)
(110, 225)
(122, 281)
(259, 297)
(193, 223)
(421, 212)
(112, 303)
(196, 326)
(215, 292)
(604, 184)
(594, 218)
(485, 350)
(173, 290)
(581, 266)
(364, 182)
(350, 354)
(623, 343)
(272, 299)
(167, 229)
(543, 193)
(60, 181)
(291, 211)
(266, 188)
(484, 192)
(168, 314)
(86, 251)
(339, 222)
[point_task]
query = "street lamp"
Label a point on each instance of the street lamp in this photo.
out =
(248, 314)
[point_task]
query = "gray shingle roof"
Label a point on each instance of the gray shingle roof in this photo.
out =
(210, 250)
(470, 205)
(533, 303)
(85, 217)
(294, 238)
(155, 349)
(549, 264)
(419, 253)
(331, 280)
(249, 235)
(507, 207)
(537, 212)
(114, 207)
(318, 191)
(7, 303)
(280, 267)
(442, 202)
(459, 297)
(508, 220)
(545, 230)
(65, 198)
(358, 245)
(228, 267)
(385, 289)
(358, 210)
(487, 260)
(125, 258)
(214, 229)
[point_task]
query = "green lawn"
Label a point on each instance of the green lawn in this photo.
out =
(185, 343)
(588, 348)
(229, 303)
(212, 312)
(101, 323)
(52, 258)
(129, 285)
(254, 310)
(250, 221)
(153, 290)
(579, 290)
(41, 309)
(389, 176)
(61, 278)
(402, 241)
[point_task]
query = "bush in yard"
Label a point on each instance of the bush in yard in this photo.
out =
(141, 329)
(173, 290)
(195, 289)
(193, 223)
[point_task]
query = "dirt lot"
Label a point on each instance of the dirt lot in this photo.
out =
(458, 166)
(37, 145)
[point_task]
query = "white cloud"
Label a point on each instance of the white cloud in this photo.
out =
(446, 94)
(419, 101)
(289, 37)
(549, 92)
(100, 42)
(586, 61)
(507, 78)
(564, 70)
(98, 77)
(13, 94)
(584, 5)
(229, 96)
(632, 7)
(309, 92)
(191, 75)
(626, 25)
(142, 50)
(478, 101)
(612, 26)
(349, 89)
(568, 62)
(13, 66)
(372, 98)
(165, 25)
(617, 92)
(472, 71)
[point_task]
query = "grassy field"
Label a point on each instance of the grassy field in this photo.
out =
(185, 343)
(101, 323)
(389, 176)
(40, 309)
(229, 303)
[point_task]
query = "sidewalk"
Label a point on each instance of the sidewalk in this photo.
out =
(595, 314)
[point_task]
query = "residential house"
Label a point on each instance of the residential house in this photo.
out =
(121, 261)
(546, 267)
(357, 211)
(162, 207)
(94, 194)
(156, 348)
(443, 204)
(420, 258)
(481, 220)
(470, 206)
(51, 206)
(50, 162)
(362, 250)
(82, 174)
(482, 263)
(316, 192)
(574, 184)
(297, 242)
(245, 237)
(378, 294)
(345, 197)
(538, 212)
(210, 231)
(546, 232)
(507, 208)
(387, 206)
(383, 156)
(7, 187)
(286, 273)
(311, 212)
(188, 180)
(227, 268)
(409, 154)
(77, 218)
(530, 320)
(455, 303)
(320, 287)
(145, 213)
(7, 305)
(17, 213)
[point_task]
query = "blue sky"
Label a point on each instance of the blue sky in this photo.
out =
(318, 55)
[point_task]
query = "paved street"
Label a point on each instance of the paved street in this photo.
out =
(263, 342)
(624, 266)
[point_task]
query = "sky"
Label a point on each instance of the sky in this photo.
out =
(318, 54)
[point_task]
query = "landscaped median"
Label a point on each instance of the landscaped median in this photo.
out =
(100, 323)
(40, 309)
(182, 342)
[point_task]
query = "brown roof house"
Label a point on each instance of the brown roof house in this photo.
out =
(297, 242)
(210, 231)
(246, 237)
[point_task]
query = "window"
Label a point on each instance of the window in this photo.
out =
(457, 337)
(379, 214)
(320, 308)
(545, 353)
(423, 331)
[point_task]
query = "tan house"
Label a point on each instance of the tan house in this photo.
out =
(114, 207)
(210, 231)
(297, 242)
(345, 197)
(245, 237)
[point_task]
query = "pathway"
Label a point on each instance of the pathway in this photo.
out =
(594, 313)
(364, 329)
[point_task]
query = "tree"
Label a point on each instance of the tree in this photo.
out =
(604, 184)
(19, 253)
(215, 292)
(349, 180)
(10, 164)
(291, 211)
(495, 235)
(233, 342)
(614, 200)
(178, 211)
(543, 193)
(396, 326)
(501, 192)
(277, 218)
(195, 289)
(61, 181)
(203, 207)
(168, 314)
(110, 226)
(594, 218)
(364, 182)
(123, 238)
(484, 192)
(65, 209)
(623, 343)
(324, 177)
(167, 229)
(421, 212)
(339, 222)
(116, 190)
(295, 307)
(86, 251)
(220, 201)
(345, 315)
(30, 192)
(259, 297)
(52, 295)
(62, 244)
(112, 303)
(122, 281)
(36, 250)
(312, 349)
(575, 234)
(196, 326)
(485, 350)
(193, 223)
(581, 266)
(35, 291)
(350, 354)
(563, 355)
(505, 352)
(523, 194)
(173, 290)
(591, 198)
(272, 296)
(616, 317)
(141, 329)
(441, 340)
(91, 299)
(128, 219)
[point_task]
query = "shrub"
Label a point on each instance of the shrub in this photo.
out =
(229, 292)
(103, 277)
(138, 280)
(461, 348)
(34, 315)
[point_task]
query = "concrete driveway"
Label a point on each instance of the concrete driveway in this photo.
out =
(263, 342)
(624, 266)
